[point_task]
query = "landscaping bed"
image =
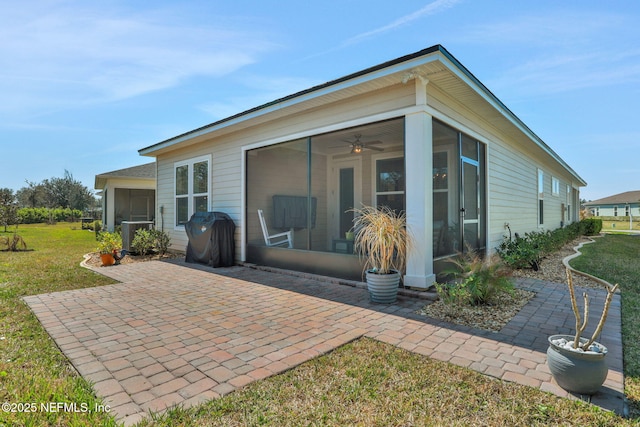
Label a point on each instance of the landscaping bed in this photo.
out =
(494, 316)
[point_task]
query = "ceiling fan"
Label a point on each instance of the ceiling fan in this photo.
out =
(357, 145)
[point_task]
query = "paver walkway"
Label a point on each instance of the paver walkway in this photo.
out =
(172, 333)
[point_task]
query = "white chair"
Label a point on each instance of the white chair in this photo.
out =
(281, 238)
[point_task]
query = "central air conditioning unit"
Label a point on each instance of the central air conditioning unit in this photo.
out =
(129, 229)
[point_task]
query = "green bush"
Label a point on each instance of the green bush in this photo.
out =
(162, 241)
(47, 215)
(109, 242)
(592, 226)
(143, 241)
(528, 251)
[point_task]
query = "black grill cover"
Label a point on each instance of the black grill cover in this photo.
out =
(211, 239)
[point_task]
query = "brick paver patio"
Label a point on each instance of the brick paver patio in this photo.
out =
(174, 333)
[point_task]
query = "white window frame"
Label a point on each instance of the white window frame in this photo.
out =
(555, 186)
(540, 198)
(190, 196)
(374, 176)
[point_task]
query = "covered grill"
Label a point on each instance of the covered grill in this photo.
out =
(211, 239)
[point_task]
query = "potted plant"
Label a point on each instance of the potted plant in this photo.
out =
(108, 244)
(578, 364)
(381, 238)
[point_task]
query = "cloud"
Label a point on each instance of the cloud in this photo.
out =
(430, 9)
(73, 54)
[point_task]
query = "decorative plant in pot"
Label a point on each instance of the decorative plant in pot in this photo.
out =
(108, 245)
(381, 238)
(578, 364)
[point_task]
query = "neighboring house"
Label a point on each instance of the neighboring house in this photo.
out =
(623, 204)
(419, 133)
(128, 195)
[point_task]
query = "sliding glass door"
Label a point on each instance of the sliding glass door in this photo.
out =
(459, 216)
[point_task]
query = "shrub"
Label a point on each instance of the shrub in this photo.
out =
(109, 242)
(47, 215)
(143, 241)
(13, 243)
(162, 241)
(479, 279)
(592, 226)
(521, 252)
(528, 251)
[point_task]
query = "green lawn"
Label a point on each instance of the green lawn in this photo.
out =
(32, 369)
(363, 383)
(616, 259)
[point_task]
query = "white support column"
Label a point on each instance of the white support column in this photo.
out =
(419, 190)
(111, 209)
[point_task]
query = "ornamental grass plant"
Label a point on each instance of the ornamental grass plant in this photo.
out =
(381, 238)
(477, 279)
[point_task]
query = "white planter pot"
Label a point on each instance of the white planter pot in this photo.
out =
(577, 372)
(383, 288)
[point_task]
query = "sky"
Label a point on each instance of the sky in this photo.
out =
(85, 85)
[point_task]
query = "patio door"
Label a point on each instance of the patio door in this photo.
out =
(347, 194)
(470, 204)
(471, 193)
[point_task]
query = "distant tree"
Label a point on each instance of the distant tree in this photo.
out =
(65, 192)
(32, 196)
(8, 208)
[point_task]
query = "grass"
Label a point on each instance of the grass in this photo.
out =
(614, 258)
(363, 383)
(32, 369)
(368, 383)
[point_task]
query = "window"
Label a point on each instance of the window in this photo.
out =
(615, 211)
(390, 183)
(627, 210)
(191, 188)
(555, 186)
(540, 183)
(540, 197)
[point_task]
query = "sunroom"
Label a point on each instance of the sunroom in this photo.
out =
(309, 187)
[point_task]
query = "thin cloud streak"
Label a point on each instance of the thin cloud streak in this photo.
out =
(430, 9)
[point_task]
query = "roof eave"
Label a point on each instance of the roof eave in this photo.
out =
(401, 64)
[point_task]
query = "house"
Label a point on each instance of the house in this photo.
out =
(127, 195)
(623, 204)
(419, 133)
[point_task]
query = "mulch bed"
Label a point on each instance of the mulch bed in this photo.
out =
(495, 316)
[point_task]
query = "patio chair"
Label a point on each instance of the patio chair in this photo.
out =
(278, 239)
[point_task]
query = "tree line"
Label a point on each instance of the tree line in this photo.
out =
(58, 195)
